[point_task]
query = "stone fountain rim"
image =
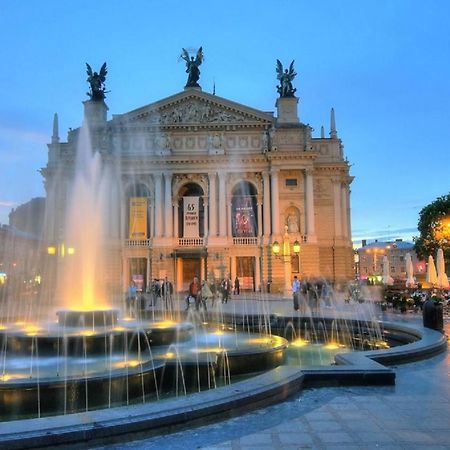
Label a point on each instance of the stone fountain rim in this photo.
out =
(273, 386)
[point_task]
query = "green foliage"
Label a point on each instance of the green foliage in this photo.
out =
(429, 221)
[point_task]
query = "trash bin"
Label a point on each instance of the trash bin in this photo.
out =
(433, 316)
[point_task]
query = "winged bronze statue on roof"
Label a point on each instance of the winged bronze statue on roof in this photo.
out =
(285, 89)
(192, 67)
(96, 82)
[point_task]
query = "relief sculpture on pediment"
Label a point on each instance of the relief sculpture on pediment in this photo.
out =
(197, 112)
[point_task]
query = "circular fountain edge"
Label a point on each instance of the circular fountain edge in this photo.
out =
(263, 390)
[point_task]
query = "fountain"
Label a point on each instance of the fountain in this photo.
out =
(95, 357)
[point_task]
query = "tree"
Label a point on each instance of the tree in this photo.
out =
(434, 229)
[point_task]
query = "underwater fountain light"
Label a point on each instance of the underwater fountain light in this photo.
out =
(299, 342)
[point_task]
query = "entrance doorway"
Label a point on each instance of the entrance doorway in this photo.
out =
(245, 271)
(191, 268)
(138, 273)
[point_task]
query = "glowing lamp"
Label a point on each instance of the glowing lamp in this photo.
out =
(276, 248)
(51, 250)
(70, 250)
(296, 247)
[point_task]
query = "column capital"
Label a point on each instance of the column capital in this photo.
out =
(309, 171)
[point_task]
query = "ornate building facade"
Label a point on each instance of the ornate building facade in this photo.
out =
(206, 186)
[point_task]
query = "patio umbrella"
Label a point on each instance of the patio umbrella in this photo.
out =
(387, 279)
(409, 271)
(431, 271)
(442, 280)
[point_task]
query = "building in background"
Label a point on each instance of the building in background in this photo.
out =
(29, 217)
(370, 261)
(210, 187)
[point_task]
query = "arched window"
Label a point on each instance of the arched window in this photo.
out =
(244, 214)
(195, 192)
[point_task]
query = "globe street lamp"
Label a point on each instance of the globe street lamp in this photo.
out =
(287, 258)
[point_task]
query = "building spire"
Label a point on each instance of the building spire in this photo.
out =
(333, 132)
(55, 136)
(322, 132)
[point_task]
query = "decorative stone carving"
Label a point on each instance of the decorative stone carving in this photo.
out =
(254, 178)
(265, 141)
(180, 180)
(196, 111)
(163, 144)
(215, 144)
(292, 223)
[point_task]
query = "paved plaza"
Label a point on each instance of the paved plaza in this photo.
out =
(413, 414)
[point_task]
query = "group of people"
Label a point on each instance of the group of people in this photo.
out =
(158, 290)
(309, 294)
(200, 292)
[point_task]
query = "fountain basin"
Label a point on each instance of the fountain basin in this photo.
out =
(64, 394)
(273, 386)
(88, 319)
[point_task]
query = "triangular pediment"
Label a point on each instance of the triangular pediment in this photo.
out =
(194, 108)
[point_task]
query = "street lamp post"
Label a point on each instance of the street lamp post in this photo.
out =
(287, 259)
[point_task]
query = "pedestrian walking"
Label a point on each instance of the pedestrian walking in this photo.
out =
(237, 286)
(296, 292)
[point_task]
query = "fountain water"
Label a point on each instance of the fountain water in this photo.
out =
(96, 357)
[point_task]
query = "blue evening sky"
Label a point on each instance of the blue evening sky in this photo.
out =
(384, 65)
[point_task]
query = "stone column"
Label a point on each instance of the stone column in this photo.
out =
(175, 212)
(275, 203)
(222, 204)
(179, 274)
(345, 211)
(202, 273)
(259, 208)
(148, 272)
(257, 274)
(228, 218)
(212, 205)
(349, 215)
(151, 208)
(337, 207)
(233, 269)
(126, 272)
(168, 210)
(205, 217)
(309, 191)
(158, 204)
(266, 203)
